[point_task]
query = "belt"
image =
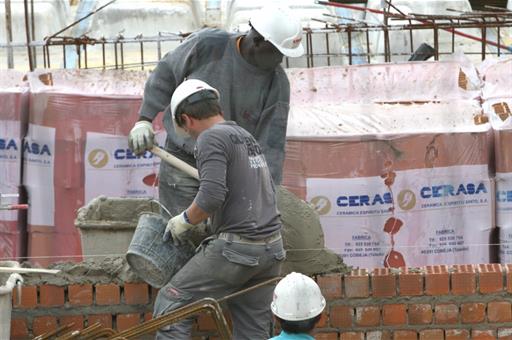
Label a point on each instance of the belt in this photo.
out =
(241, 239)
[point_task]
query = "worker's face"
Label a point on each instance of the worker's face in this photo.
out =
(265, 55)
(189, 126)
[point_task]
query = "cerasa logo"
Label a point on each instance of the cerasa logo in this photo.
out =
(406, 199)
(321, 204)
(98, 158)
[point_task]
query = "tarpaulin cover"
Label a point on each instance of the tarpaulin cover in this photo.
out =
(404, 184)
(497, 95)
(79, 120)
(13, 119)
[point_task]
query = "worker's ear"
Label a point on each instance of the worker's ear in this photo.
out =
(186, 120)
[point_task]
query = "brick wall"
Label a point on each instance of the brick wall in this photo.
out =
(434, 302)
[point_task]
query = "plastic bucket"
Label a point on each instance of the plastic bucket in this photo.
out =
(152, 259)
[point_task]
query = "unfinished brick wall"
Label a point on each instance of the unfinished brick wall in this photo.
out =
(430, 303)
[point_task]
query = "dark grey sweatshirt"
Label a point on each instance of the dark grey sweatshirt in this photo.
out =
(235, 182)
(257, 100)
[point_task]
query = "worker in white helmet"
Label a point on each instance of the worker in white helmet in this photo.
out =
(297, 305)
(237, 192)
(254, 92)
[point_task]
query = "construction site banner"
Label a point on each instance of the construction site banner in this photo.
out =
(13, 120)
(66, 107)
(422, 217)
(111, 169)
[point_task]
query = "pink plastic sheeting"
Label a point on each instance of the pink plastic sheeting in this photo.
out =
(13, 116)
(497, 76)
(405, 82)
(65, 112)
(410, 189)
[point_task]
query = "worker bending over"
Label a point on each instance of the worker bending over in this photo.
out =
(297, 305)
(236, 190)
(254, 89)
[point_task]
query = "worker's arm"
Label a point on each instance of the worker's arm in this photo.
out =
(271, 130)
(212, 164)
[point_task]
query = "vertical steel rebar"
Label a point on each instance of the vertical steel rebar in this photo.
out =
(8, 33)
(121, 48)
(368, 56)
(85, 54)
(142, 55)
(27, 34)
(327, 48)
(33, 31)
(115, 54)
(64, 54)
(484, 37)
(436, 42)
(103, 52)
(159, 46)
(78, 54)
(349, 36)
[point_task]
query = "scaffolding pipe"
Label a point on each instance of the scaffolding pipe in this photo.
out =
(425, 22)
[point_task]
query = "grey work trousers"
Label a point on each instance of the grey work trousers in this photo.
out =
(220, 268)
(176, 189)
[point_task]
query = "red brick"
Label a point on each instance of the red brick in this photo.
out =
(383, 283)
(437, 280)
(410, 283)
(456, 334)
(432, 334)
(351, 336)
(154, 293)
(44, 324)
(330, 285)
(379, 335)
(205, 322)
(508, 270)
(19, 328)
(323, 320)
(472, 312)
(490, 278)
(76, 320)
(80, 295)
(104, 319)
(505, 333)
(405, 335)
(51, 296)
(499, 311)
(463, 279)
(446, 314)
(367, 316)
(125, 321)
(420, 314)
(148, 316)
(326, 336)
(136, 293)
(107, 294)
(394, 314)
(357, 284)
(483, 334)
(28, 297)
(341, 316)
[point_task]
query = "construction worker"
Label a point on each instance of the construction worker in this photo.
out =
(237, 192)
(297, 304)
(254, 89)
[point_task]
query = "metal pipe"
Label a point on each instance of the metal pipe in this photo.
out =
(33, 31)
(8, 33)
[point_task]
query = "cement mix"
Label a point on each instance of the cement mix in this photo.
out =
(302, 234)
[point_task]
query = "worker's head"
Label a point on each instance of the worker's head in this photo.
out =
(298, 303)
(275, 32)
(192, 101)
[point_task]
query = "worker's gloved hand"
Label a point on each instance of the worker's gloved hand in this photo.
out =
(177, 227)
(141, 137)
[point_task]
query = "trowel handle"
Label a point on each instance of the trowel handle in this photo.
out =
(175, 162)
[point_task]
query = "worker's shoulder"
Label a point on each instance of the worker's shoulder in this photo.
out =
(281, 75)
(211, 36)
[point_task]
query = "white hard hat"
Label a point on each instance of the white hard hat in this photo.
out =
(277, 24)
(186, 91)
(297, 297)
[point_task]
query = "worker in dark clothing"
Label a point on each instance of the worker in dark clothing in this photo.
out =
(254, 89)
(236, 190)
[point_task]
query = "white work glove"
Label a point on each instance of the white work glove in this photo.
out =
(178, 227)
(141, 137)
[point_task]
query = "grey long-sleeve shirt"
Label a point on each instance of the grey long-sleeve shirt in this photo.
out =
(235, 182)
(257, 100)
